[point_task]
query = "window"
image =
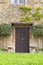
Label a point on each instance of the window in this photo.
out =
(21, 1)
(22, 33)
(18, 1)
(13, 1)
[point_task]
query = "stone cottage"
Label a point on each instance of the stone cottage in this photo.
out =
(21, 39)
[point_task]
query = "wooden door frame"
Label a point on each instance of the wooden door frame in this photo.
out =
(19, 26)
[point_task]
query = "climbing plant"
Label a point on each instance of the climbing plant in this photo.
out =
(25, 19)
(5, 30)
(38, 8)
(37, 15)
(25, 9)
(37, 30)
(28, 14)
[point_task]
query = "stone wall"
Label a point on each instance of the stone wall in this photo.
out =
(3, 4)
(31, 3)
(36, 42)
(35, 3)
(10, 13)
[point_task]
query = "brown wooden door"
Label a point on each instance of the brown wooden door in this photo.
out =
(22, 40)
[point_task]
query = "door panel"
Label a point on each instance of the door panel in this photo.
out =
(22, 40)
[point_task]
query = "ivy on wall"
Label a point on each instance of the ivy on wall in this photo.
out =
(25, 9)
(27, 13)
(5, 30)
(37, 15)
(25, 19)
(30, 15)
(37, 30)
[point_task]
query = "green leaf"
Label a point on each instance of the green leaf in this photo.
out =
(5, 30)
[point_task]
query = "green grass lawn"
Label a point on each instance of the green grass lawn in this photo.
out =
(21, 59)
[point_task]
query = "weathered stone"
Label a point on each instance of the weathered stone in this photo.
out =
(10, 13)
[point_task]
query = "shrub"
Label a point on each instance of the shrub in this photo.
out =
(39, 49)
(37, 30)
(5, 30)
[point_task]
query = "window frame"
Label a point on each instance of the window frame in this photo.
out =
(14, 2)
(21, 3)
(17, 2)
